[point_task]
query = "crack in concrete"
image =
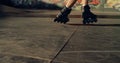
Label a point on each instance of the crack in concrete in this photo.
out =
(25, 56)
(65, 52)
(66, 42)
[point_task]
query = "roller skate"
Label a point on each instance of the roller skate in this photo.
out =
(88, 16)
(62, 17)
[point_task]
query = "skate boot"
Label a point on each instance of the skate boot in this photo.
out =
(62, 17)
(88, 16)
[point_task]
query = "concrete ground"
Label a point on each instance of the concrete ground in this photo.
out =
(40, 40)
(36, 38)
(96, 43)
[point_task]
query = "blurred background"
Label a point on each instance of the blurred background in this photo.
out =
(58, 4)
(17, 7)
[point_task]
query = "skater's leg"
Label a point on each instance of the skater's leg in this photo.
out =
(88, 16)
(70, 3)
(62, 17)
(84, 2)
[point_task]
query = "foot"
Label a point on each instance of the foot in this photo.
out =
(62, 17)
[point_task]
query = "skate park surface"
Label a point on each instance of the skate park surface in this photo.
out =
(33, 37)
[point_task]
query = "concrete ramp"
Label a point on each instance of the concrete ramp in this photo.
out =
(31, 40)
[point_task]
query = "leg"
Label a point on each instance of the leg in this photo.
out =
(88, 16)
(70, 3)
(62, 17)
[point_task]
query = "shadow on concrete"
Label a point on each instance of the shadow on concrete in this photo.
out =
(74, 24)
(40, 5)
(35, 5)
(2, 14)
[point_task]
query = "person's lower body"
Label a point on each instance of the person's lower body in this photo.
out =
(87, 15)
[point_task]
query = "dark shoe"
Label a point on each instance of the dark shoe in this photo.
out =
(62, 17)
(88, 16)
